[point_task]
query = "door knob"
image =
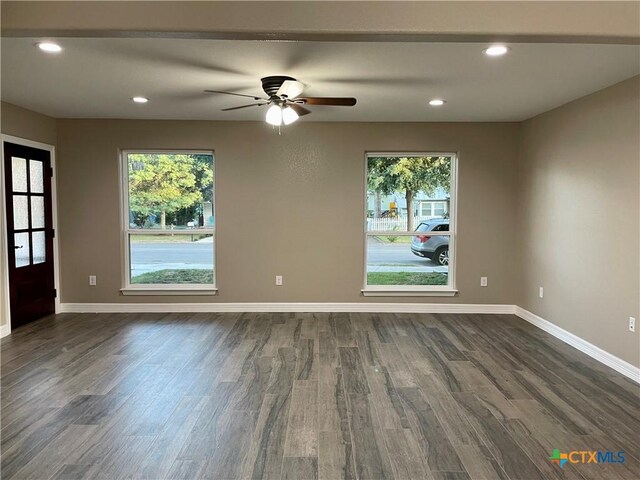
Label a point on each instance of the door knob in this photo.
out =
(19, 246)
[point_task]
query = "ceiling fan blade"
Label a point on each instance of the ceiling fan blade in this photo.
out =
(236, 94)
(290, 89)
(243, 106)
(337, 101)
(299, 109)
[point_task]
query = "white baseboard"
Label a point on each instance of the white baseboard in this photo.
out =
(5, 330)
(590, 349)
(284, 307)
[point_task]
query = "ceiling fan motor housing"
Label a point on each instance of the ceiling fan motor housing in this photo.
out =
(271, 85)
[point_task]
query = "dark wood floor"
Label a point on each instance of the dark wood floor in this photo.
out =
(301, 396)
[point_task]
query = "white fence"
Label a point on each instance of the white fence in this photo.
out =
(388, 224)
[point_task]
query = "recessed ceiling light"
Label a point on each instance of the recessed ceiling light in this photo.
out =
(496, 50)
(49, 47)
(436, 102)
(140, 99)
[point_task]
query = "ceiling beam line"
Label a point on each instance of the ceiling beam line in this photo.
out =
(603, 22)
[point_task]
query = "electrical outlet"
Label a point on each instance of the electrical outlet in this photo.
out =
(278, 280)
(541, 292)
(483, 281)
(92, 280)
(632, 324)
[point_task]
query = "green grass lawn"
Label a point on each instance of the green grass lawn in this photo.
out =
(175, 276)
(406, 278)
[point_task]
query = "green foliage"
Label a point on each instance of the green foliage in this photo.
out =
(409, 174)
(167, 183)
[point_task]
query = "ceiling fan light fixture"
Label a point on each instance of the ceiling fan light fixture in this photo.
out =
(274, 115)
(290, 89)
(289, 115)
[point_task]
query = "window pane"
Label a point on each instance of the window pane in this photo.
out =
(39, 247)
(407, 194)
(403, 190)
(37, 212)
(408, 260)
(22, 249)
(19, 174)
(172, 259)
(170, 191)
(20, 212)
(35, 175)
(426, 210)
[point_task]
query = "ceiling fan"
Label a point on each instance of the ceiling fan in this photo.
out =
(285, 103)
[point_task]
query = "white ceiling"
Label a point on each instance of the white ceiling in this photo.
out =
(95, 77)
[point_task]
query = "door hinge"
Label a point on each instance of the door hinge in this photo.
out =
(53, 233)
(51, 172)
(55, 293)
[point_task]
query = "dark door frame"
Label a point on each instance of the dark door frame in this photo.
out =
(5, 308)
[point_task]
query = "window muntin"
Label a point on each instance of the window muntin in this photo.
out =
(169, 219)
(397, 258)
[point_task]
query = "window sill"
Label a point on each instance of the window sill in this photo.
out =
(404, 292)
(191, 290)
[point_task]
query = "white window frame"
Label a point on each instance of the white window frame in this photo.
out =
(159, 289)
(416, 290)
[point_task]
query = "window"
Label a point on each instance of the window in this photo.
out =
(425, 209)
(412, 251)
(169, 221)
(439, 209)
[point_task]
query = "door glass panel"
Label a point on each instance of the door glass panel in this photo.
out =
(19, 174)
(20, 212)
(37, 212)
(35, 176)
(39, 247)
(22, 249)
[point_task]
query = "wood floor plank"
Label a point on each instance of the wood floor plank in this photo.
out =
(436, 447)
(386, 400)
(265, 455)
(302, 428)
(369, 450)
(405, 455)
(300, 468)
(335, 456)
(353, 374)
(502, 446)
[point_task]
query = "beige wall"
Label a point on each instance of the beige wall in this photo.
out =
(289, 204)
(579, 217)
(23, 123)
(19, 122)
